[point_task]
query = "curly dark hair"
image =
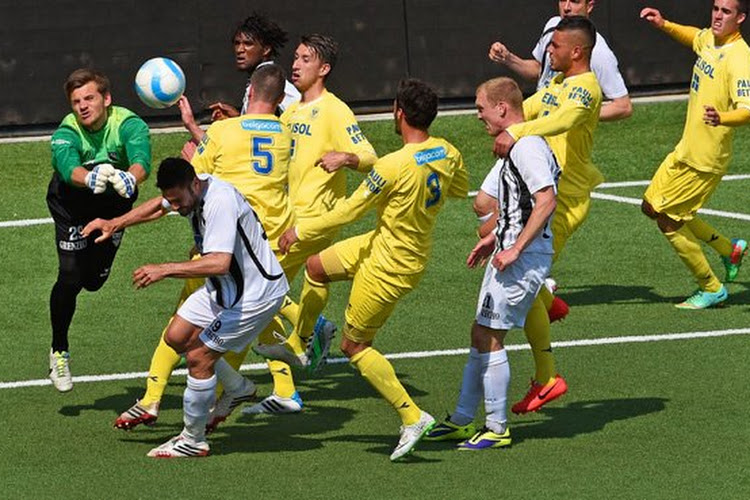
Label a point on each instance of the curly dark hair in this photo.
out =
(264, 31)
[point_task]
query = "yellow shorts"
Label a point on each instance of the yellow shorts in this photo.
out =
(569, 215)
(677, 190)
(292, 262)
(374, 292)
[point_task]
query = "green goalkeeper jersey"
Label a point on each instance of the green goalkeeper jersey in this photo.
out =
(122, 142)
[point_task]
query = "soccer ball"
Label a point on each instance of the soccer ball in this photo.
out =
(159, 83)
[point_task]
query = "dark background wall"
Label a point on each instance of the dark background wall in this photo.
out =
(442, 41)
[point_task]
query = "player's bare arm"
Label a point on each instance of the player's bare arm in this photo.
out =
(652, 16)
(211, 264)
(145, 212)
(221, 111)
(481, 251)
(335, 160)
(616, 109)
(188, 119)
(544, 206)
(503, 142)
(288, 239)
(528, 69)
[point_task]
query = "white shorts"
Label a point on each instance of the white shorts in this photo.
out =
(227, 329)
(506, 297)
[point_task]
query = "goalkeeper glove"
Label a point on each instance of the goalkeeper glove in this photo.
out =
(96, 180)
(123, 182)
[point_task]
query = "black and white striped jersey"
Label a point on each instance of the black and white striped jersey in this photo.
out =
(530, 166)
(225, 222)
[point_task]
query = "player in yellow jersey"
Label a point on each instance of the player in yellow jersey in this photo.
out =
(408, 187)
(252, 153)
(719, 101)
(566, 113)
(326, 138)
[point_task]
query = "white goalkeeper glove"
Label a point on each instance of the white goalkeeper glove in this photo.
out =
(96, 180)
(123, 182)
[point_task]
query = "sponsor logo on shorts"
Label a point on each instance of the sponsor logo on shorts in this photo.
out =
(210, 332)
(72, 246)
(489, 314)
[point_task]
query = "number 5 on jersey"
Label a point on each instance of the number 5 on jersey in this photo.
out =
(264, 162)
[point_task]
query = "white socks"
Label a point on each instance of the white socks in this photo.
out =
(495, 375)
(197, 400)
(471, 390)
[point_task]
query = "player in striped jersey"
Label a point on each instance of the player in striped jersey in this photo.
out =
(521, 252)
(244, 289)
(719, 101)
(252, 153)
(408, 188)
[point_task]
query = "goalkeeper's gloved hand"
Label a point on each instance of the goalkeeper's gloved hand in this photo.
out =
(96, 180)
(123, 182)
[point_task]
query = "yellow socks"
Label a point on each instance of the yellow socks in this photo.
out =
(290, 310)
(380, 374)
(538, 335)
(283, 382)
(162, 363)
(689, 250)
(710, 236)
(546, 297)
(312, 301)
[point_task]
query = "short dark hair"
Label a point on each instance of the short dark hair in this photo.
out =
(268, 83)
(174, 172)
(418, 101)
(82, 76)
(324, 46)
(742, 6)
(581, 24)
(260, 28)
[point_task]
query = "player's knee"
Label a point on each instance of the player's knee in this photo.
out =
(93, 284)
(351, 347)
(199, 365)
(315, 270)
(648, 210)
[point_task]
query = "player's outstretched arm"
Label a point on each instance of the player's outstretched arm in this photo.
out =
(188, 119)
(682, 34)
(528, 69)
(211, 264)
(734, 118)
(145, 212)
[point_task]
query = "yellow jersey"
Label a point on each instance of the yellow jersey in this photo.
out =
(566, 113)
(318, 127)
(721, 78)
(408, 187)
(252, 153)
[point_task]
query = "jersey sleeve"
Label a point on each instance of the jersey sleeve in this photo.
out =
(459, 187)
(575, 109)
(135, 136)
(376, 186)
(221, 217)
(532, 158)
(490, 182)
(532, 105)
(605, 67)
(739, 80)
(203, 160)
(66, 152)
(348, 137)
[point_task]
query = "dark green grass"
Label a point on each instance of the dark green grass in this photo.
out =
(657, 420)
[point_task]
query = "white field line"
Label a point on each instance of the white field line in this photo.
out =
(611, 185)
(630, 339)
(637, 202)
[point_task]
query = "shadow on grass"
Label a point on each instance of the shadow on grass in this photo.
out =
(584, 417)
(586, 295)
